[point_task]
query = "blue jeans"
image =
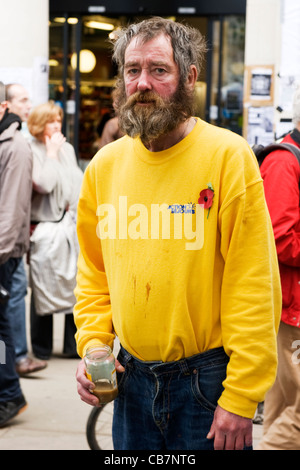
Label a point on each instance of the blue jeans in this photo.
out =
(16, 310)
(168, 406)
(9, 379)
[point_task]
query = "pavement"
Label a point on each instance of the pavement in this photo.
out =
(55, 418)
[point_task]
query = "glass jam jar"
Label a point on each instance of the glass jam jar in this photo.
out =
(100, 369)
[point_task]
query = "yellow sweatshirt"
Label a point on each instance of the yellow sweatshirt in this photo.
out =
(171, 276)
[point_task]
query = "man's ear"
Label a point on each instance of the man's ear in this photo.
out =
(192, 77)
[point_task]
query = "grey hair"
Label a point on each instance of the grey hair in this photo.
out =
(188, 44)
(296, 107)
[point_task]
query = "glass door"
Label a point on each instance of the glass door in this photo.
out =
(64, 79)
(82, 77)
(225, 72)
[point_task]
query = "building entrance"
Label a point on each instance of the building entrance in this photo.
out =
(82, 75)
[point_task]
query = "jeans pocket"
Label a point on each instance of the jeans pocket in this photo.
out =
(123, 376)
(207, 384)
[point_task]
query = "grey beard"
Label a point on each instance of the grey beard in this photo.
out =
(155, 120)
(149, 126)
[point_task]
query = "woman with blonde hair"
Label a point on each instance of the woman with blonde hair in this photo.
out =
(53, 251)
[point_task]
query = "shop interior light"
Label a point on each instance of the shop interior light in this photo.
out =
(72, 20)
(59, 19)
(87, 61)
(114, 34)
(53, 62)
(100, 25)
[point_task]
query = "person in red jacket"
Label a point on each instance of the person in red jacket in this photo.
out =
(281, 174)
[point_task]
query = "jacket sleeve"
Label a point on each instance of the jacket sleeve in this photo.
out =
(281, 175)
(45, 173)
(92, 311)
(15, 195)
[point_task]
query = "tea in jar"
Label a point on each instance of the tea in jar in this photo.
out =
(100, 369)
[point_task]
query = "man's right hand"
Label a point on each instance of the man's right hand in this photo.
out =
(84, 386)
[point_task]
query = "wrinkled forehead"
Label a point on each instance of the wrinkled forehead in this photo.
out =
(158, 45)
(142, 38)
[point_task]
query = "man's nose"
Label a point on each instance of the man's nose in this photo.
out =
(144, 81)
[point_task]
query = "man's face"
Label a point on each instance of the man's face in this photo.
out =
(151, 67)
(20, 104)
(150, 100)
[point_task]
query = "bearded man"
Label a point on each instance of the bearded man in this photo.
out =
(177, 258)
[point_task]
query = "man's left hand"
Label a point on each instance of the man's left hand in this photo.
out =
(230, 431)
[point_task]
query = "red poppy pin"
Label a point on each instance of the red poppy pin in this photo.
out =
(206, 197)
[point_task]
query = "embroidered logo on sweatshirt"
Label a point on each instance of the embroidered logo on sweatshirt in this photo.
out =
(189, 208)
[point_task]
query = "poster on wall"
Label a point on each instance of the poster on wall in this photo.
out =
(260, 125)
(260, 85)
(21, 75)
(40, 80)
(287, 86)
(259, 113)
(34, 79)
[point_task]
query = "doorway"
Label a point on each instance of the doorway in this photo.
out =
(82, 75)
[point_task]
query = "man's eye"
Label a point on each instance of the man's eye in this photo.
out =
(159, 71)
(132, 71)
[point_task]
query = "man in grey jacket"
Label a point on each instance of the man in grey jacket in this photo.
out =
(18, 102)
(15, 197)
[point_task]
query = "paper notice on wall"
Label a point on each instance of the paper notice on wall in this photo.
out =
(261, 82)
(260, 125)
(40, 80)
(20, 75)
(287, 87)
(283, 127)
(34, 79)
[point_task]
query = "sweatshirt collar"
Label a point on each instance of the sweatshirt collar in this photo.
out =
(165, 155)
